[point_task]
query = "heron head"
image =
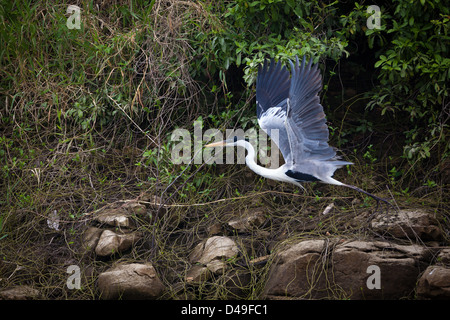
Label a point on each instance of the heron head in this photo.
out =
(233, 141)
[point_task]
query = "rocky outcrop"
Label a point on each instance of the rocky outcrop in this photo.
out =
(335, 269)
(397, 265)
(377, 269)
(298, 270)
(411, 224)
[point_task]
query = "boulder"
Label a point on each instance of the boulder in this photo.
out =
(444, 257)
(434, 283)
(299, 270)
(116, 217)
(237, 283)
(91, 237)
(130, 281)
(377, 269)
(121, 215)
(20, 293)
(217, 247)
(214, 229)
(217, 267)
(410, 224)
(249, 221)
(208, 258)
(346, 269)
(111, 242)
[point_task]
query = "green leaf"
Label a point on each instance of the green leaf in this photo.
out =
(378, 63)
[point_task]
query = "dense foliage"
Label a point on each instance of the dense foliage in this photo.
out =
(166, 63)
(86, 116)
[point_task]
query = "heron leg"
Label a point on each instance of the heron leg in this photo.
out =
(377, 199)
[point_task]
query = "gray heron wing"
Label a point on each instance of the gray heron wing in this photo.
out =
(305, 121)
(272, 91)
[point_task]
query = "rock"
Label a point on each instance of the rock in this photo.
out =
(130, 281)
(179, 291)
(411, 224)
(108, 243)
(135, 207)
(298, 271)
(249, 221)
(111, 242)
(395, 267)
(214, 229)
(328, 208)
(434, 283)
(217, 266)
(334, 269)
(237, 283)
(217, 247)
(208, 256)
(91, 237)
(444, 257)
(116, 217)
(196, 254)
(198, 274)
(127, 240)
(20, 293)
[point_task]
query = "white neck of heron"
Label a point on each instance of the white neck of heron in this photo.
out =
(250, 159)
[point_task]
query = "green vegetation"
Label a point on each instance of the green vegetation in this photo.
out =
(86, 114)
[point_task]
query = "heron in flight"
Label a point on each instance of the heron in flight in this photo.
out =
(288, 108)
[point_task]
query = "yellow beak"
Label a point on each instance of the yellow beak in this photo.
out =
(216, 144)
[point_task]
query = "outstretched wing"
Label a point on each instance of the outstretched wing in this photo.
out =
(272, 91)
(305, 121)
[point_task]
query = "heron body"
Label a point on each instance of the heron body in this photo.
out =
(289, 111)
